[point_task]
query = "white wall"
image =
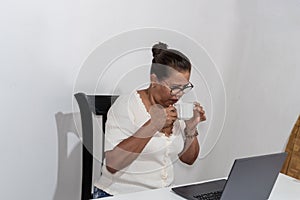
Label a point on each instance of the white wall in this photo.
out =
(254, 44)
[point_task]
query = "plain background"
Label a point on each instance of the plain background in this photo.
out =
(254, 43)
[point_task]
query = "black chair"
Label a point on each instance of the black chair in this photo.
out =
(90, 105)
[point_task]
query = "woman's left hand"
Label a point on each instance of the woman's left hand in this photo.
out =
(199, 116)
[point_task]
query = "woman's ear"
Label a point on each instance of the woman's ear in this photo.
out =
(154, 80)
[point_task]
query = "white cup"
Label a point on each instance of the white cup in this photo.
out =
(184, 110)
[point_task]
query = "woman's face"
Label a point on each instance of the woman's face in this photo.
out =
(163, 93)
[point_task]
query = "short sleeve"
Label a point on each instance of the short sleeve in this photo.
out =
(124, 118)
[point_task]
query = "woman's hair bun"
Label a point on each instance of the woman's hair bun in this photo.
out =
(158, 48)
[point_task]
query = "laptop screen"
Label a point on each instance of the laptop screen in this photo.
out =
(249, 179)
(254, 177)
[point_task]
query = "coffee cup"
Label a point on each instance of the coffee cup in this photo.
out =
(185, 110)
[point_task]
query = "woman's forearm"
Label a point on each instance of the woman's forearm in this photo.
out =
(190, 150)
(129, 149)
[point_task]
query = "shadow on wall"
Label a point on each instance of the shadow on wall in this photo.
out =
(68, 184)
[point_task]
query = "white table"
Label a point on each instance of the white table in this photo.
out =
(285, 188)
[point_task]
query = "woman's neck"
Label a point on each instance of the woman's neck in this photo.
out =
(151, 99)
(147, 98)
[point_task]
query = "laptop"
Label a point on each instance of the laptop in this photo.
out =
(249, 179)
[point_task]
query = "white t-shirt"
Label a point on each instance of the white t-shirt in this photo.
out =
(153, 168)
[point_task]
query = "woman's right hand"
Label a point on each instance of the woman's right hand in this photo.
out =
(171, 116)
(161, 117)
(158, 116)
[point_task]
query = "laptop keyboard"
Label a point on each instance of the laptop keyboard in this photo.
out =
(209, 196)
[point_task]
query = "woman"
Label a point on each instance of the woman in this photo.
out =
(144, 136)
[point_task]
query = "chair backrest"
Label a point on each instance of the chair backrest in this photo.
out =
(89, 105)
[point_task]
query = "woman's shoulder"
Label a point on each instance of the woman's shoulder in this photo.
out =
(126, 98)
(128, 107)
(127, 101)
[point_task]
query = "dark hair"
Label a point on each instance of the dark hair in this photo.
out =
(164, 60)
